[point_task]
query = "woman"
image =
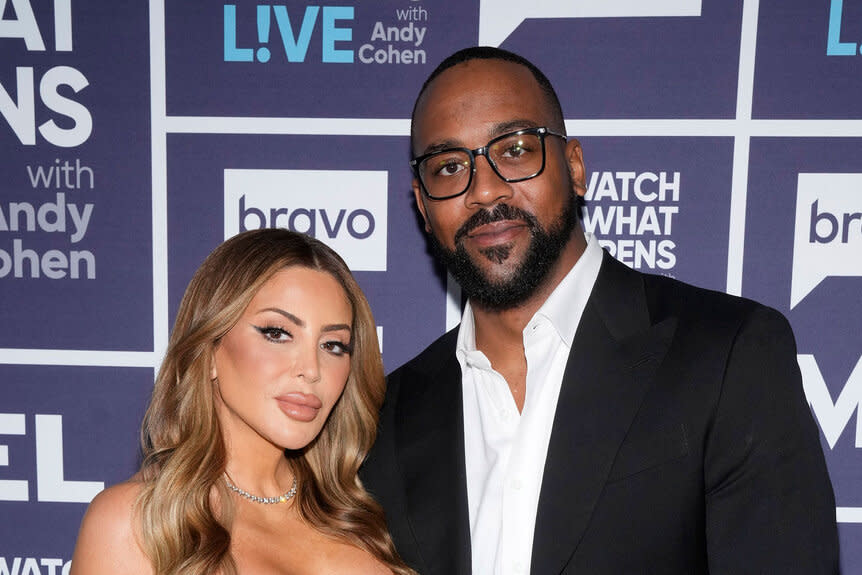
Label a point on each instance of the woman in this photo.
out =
(263, 410)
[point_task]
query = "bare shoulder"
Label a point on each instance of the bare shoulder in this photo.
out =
(106, 541)
(114, 506)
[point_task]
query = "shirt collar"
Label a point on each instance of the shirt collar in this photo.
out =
(563, 308)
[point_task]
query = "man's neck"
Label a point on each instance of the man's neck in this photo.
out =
(499, 333)
(504, 328)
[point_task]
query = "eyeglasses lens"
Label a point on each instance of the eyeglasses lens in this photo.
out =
(513, 157)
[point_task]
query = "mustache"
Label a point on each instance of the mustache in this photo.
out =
(499, 213)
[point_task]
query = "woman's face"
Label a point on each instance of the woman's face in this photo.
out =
(279, 371)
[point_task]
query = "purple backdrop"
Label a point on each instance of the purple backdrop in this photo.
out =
(134, 137)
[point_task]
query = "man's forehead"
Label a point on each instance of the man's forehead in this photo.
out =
(489, 73)
(475, 90)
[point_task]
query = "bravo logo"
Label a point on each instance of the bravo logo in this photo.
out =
(833, 417)
(499, 18)
(50, 482)
(345, 209)
(828, 232)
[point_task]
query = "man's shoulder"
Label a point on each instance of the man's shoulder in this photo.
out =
(671, 297)
(665, 295)
(660, 287)
(432, 358)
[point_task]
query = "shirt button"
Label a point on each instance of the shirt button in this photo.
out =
(519, 567)
(516, 484)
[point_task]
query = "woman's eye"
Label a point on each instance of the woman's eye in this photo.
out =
(274, 334)
(337, 347)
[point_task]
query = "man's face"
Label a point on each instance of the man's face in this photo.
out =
(500, 240)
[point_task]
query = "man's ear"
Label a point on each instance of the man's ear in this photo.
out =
(420, 203)
(575, 158)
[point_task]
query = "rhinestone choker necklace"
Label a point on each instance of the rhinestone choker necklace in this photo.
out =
(265, 500)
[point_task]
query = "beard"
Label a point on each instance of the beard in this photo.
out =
(543, 252)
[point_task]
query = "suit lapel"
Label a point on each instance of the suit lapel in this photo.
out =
(614, 357)
(431, 453)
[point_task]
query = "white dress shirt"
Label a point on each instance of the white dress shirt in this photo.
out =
(505, 450)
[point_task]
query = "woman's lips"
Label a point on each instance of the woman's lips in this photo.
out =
(496, 233)
(300, 406)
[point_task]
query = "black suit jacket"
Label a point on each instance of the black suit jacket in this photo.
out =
(682, 443)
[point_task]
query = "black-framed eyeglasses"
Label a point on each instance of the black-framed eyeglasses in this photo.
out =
(514, 157)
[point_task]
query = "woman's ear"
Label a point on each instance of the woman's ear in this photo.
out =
(213, 369)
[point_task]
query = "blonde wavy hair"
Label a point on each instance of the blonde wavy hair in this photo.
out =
(184, 509)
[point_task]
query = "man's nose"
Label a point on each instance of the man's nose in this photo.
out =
(487, 187)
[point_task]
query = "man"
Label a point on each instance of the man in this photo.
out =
(584, 417)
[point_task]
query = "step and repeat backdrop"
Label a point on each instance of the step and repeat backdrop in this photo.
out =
(722, 139)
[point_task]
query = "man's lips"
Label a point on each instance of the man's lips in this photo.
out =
(495, 233)
(299, 406)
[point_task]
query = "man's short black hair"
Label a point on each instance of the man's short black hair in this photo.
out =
(491, 53)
